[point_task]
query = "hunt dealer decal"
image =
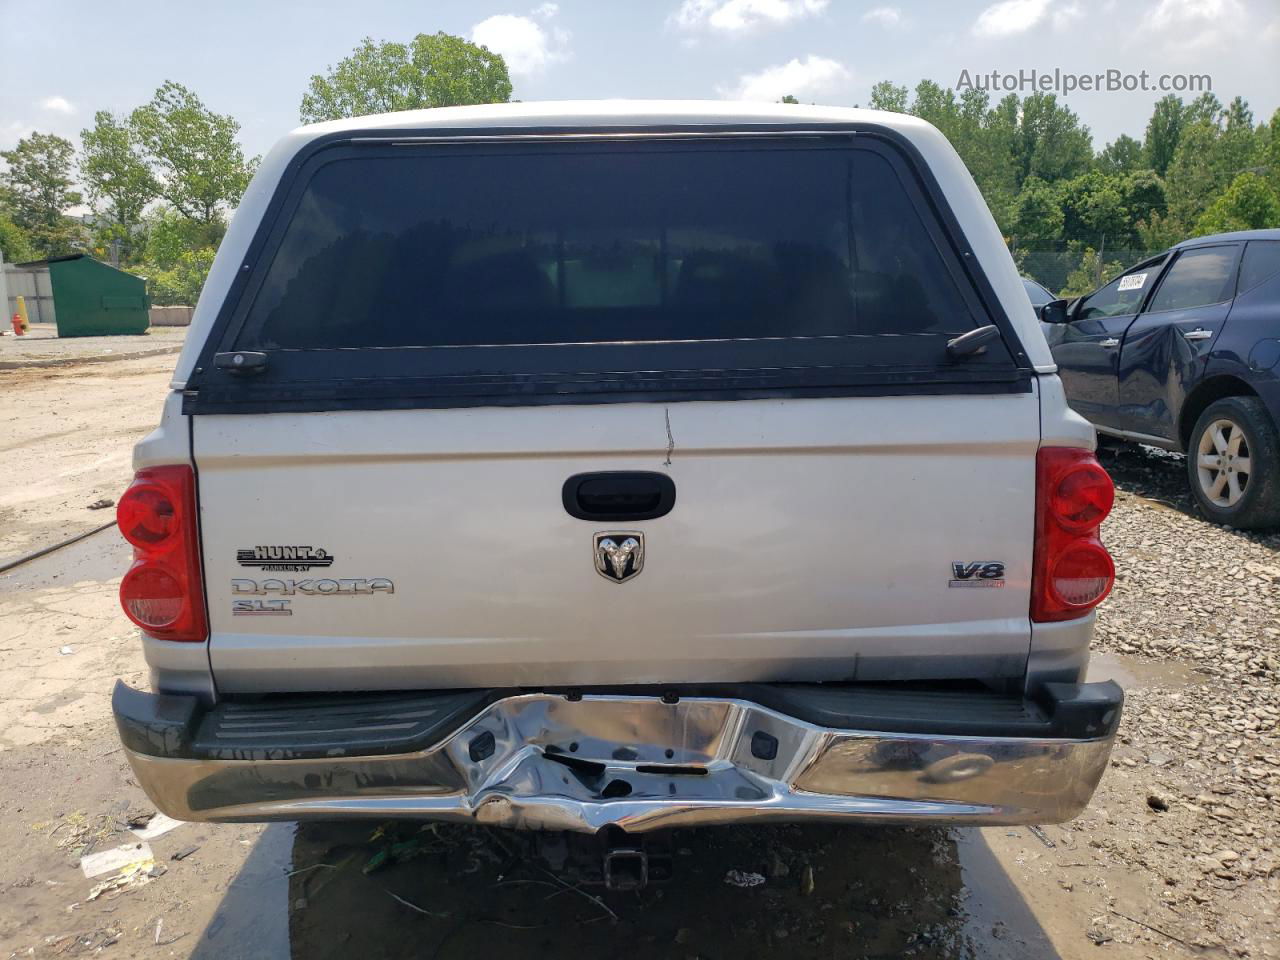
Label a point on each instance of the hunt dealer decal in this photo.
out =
(977, 573)
(284, 559)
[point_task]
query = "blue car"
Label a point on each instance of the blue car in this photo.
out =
(1182, 351)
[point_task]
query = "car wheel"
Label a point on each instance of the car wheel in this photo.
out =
(1233, 464)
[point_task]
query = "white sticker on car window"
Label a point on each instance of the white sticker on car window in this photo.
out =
(1133, 281)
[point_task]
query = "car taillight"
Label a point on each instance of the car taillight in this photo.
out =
(162, 592)
(1071, 572)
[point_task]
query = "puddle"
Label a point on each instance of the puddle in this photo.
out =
(461, 892)
(1134, 673)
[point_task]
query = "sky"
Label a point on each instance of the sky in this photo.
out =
(62, 60)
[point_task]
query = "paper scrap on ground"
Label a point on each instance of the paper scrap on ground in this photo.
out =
(117, 858)
(741, 878)
(157, 826)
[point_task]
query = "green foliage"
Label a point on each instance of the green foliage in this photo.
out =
(37, 190)
(14, 242)
(169, 235)
(1090, 274)
(193, 153)
(119, 181)
(1164, 130)
(177, 256)
(788, 99)
(1197, 174)
(1052, 143)
(886, 95)
(1158, 232)
(1248, 203)
(433, 70)
(181, 283)
(1039, 216)
(1122, 155)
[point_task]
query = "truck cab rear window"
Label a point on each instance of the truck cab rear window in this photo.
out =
(407, 274)
(597, 247)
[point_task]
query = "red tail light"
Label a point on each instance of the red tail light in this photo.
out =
(162, 592)
(1072, 572)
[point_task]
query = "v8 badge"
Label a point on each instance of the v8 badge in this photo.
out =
(977, 573)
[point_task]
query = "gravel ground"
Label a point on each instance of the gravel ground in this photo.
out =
(42, 347)
(1195, 785)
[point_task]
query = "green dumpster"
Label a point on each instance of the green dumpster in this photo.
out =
(93, 299)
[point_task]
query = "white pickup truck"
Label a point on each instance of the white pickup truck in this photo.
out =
(617, 466)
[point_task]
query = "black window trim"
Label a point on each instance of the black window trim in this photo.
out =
(1164, 275)
(209, 390)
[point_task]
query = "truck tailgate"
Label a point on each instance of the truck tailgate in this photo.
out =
(811, 539)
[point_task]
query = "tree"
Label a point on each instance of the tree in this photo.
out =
(1053, 144)
(1164, 130)
(119, 181)
(1122, 155)
(197, 163)
(170, 235)
(1196, 175)
(436, 70)
(1094, 210)
(1089, 275)
(14, 243)
(182, 282)
(1038, 218)
(1144, 198)
(788, 99)
(37, 189)
(887, 95)
(1248, 204)
(1269, 151)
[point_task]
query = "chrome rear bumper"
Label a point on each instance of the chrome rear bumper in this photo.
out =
(550, 762)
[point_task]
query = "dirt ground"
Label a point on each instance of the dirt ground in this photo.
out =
(1177, 855)
(66, 439)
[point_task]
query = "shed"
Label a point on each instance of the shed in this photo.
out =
(93, 299)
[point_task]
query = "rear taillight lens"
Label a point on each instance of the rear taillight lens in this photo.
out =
(162, 592)
(1072, 572)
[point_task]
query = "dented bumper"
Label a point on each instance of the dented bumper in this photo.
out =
(553, 761)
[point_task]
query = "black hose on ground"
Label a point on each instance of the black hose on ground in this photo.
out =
(35, 554)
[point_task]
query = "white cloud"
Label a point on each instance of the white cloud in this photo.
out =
(884, 16)
(738, 16)
(527, 46)
(1010, 17)
(57, 105)
(12, 132)
(1193, 24)
(1066, 15)
(809, 77)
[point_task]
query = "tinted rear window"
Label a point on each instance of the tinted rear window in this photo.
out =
(601, 270)
(1261, 262)
(1196, 279)
(603, 248)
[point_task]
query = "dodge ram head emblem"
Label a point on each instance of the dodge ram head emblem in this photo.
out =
(619, 556)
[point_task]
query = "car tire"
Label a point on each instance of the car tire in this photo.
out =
(1231, 432)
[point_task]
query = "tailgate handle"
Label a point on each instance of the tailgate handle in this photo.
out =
(618, 495)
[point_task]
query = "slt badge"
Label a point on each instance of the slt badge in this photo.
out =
(619, 556)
